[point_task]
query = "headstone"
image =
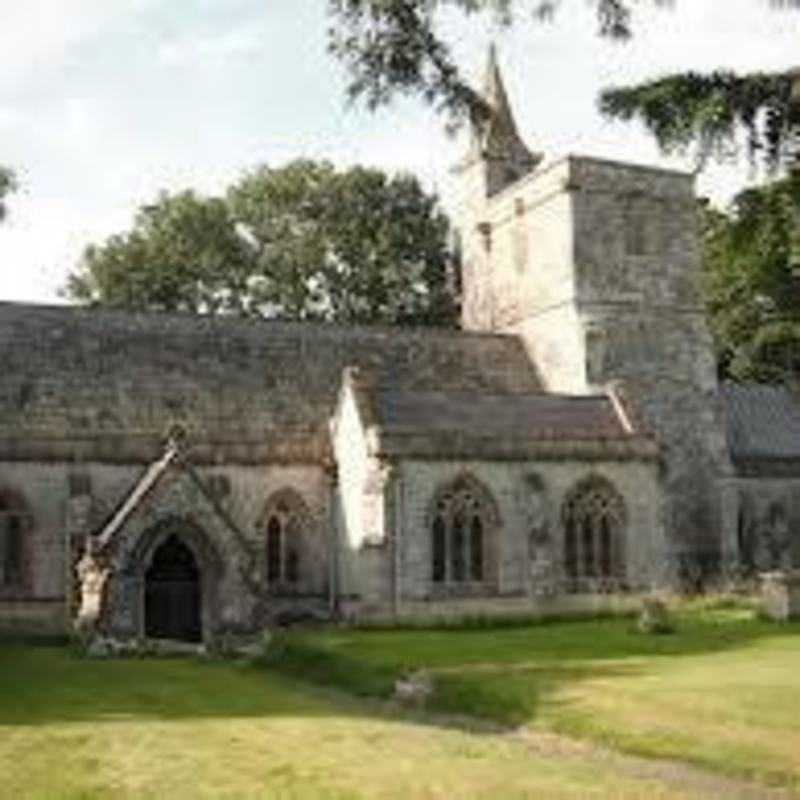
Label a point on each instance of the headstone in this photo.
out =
(414, 689)
(654, 617)
(780, 593)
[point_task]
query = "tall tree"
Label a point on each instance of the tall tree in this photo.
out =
(301, 242)
(182, 254)
(751, 286)
(8, 184)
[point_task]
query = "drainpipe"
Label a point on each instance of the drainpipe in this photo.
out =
(333, 538)
(397, 540)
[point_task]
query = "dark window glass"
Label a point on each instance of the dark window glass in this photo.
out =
(457, 568)
(476, 549)
(11, 549)
(273, 549)
(292, 564)
(439, 550)
(605, 548)
(570, 549)
(588, 547)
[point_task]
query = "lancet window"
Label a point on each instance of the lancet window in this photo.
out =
(284, 521)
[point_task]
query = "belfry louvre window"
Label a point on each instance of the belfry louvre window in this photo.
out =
(12, 527)
(593, 517)
(284, 529)
(458, 543)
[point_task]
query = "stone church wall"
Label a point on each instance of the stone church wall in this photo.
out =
(637, 267)
(41, 603)
(510, 485)
(595, 266)
(762, 515)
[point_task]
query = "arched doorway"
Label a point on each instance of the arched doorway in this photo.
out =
(172, 605)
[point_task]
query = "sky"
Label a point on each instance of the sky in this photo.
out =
(104, 103)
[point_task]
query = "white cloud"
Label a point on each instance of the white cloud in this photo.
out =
(104, 102)
(193, 49)
(38, 32)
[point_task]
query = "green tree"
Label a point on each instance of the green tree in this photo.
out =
(751, 286)
(392, 47)
(751, 253)
(183, 254)
(8, 184)
(305, 241)
(711, 113)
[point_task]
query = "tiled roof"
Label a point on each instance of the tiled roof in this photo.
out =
(73, 379)
(528, 416)
(763, 422)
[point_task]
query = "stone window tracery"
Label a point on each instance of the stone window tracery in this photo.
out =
(462, 518)
(594, 518)
(284, 531)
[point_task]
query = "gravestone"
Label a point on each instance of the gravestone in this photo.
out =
(780, 592)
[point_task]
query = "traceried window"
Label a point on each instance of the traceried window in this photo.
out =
(461, 519)
(12, 528)
(593, 517)
(284, 529)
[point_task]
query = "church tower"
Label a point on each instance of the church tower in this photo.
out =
(594, 264)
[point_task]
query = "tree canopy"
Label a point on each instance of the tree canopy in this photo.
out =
(393, 47)
(304, 241)
(710, 112)
(750, 285)
(8, 184)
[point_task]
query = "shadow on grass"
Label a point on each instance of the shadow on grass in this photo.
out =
(502, 675)
(42, 685)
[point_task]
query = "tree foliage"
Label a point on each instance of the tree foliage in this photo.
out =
(711, 112)
(751, 289)
(182, 254)
(8, 184)
(301, 242)
(394, 47)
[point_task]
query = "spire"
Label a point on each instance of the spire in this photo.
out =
(496, 139)
(494, 93)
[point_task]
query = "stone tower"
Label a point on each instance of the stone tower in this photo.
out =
(594, 264)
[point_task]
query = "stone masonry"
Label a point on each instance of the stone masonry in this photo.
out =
(183, 477)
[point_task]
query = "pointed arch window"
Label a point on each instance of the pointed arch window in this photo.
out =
(284, 525)
(460, 546)
(593, 517)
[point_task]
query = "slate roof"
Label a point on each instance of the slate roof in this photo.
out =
(81, 383)
(523, 415)
(763, 422)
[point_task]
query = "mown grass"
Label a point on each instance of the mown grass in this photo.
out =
(722, 692)
(167, 728)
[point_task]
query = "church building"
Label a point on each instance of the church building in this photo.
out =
(188, 478)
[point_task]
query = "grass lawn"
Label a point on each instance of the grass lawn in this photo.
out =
(73, 728)
(723, 692)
